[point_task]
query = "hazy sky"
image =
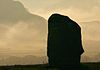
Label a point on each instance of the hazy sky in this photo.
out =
(20, 29)
(79, 10)
(23, 30)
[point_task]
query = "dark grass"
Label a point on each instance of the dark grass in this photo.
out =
(93, 65)
(85, 66)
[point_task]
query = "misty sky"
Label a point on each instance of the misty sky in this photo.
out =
(79, 10)
(22, 32)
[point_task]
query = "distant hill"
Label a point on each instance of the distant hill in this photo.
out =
(14, 11)
(21, 33)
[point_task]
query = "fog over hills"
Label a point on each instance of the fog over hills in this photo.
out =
(25, 60)
(91, 37)
(23, 34)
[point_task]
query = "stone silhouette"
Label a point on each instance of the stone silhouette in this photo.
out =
(64, 46)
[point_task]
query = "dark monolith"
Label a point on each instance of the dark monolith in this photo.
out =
(64, 45)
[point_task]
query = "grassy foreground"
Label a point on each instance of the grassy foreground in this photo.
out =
(91, 66)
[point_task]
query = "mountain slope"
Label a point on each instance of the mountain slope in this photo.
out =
(21, 33)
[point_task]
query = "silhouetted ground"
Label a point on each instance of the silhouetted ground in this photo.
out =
(85, 66)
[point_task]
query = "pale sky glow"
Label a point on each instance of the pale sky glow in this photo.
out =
(79, 10)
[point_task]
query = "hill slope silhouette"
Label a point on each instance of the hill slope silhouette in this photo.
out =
(21, 33)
